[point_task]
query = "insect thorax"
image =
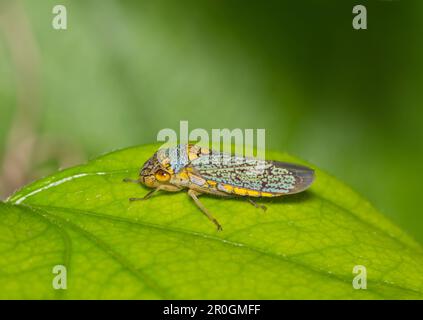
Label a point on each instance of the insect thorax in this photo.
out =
(173, 159)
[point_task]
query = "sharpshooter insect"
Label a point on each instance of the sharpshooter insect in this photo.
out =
(201, 170)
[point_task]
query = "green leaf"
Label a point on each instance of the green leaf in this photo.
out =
(303, 246)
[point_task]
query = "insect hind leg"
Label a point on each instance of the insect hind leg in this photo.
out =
(255, 204)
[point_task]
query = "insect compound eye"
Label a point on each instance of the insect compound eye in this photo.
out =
(162, 176)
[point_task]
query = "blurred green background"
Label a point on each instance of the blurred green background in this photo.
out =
(348, 101)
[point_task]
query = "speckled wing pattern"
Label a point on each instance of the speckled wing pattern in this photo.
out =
(250, 176)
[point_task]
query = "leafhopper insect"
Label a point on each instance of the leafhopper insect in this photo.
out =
(203, 171)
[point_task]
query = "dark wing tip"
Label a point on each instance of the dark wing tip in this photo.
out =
(304, 176)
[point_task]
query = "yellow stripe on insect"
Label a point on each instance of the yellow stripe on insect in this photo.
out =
(267, 194)
(253, 193)
(240, 191)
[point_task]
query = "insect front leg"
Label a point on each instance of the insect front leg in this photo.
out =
(193, 194)
(148, 195)
(255, 204)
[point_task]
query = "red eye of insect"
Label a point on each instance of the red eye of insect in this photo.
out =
(162, 176)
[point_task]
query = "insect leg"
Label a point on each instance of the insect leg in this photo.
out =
(148, 195)
(194, 195)
(261, 206)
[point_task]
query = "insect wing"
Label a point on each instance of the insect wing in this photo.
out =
(271, 177)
